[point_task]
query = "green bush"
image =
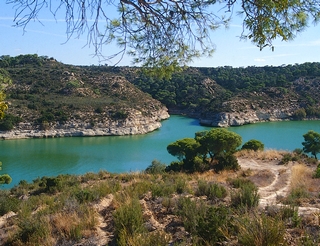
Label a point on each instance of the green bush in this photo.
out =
(239, 182)
(286, 158)
(128, 221)
(162, 189)
(190, 211)
(209, 227)
(180, 185)
(227, 162)
(5, 178)
(317, 172)
(260, 230)
(8, 203)
(295, 196)
(8, 122)
(33, 231)
(203, 222)
(212, 191)
(246, 196)
(84, 196)
(156, 167)
(299, 114)
(175, 166)
(253, 144)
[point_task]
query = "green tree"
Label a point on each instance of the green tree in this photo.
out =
(3, 105)
(185, 150)
(253, 144)
(218, 142)
(311, 143)
(4, 178)
(168, 34)
(300, 114)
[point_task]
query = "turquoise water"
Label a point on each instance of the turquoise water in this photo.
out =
(31, 158)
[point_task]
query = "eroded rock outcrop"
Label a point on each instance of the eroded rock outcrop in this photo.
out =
(227, 119)
(134, 123)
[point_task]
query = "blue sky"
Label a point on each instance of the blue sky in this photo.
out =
(49, 38)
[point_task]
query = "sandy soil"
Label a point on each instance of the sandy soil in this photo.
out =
(273, 181)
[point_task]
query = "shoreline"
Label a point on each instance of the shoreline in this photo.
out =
(115, 131)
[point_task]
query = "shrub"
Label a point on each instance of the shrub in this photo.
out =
(246, 196)
(8, 122)
(161, 189)
(51, 185)
(212, 191)
(5, 178)
(253, 144)
(203, 222)
(84, 196)
(8, 203)
(299, 114)
(226, 162)
(33, 231)
(209, 226)
(175, 166)
(156, 167)
(286, 158)
(190, 211)
(128, 221)
(295, 196)
(260, 230)
(239, 182)
(180, 185)
(317, 172)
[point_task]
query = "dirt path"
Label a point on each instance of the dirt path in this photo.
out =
(278, 185)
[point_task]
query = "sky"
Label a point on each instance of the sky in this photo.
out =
(49, 38)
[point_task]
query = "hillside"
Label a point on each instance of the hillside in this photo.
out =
(225, 96)
(65, 100)
(268, 202)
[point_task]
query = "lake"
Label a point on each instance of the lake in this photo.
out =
(31, 158)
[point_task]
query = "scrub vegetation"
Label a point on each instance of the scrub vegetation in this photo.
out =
(156, 207)
(44, 91)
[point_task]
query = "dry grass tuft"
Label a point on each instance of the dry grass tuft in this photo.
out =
(71, 226)
(64, 223)
(261, 155)
(220, 177)
(301, 176)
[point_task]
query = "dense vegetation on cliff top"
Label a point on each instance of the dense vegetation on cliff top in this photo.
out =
(45, 91)
(52, 91)
(205, 90)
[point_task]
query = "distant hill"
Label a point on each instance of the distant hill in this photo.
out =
(45, 91)
(46, 94)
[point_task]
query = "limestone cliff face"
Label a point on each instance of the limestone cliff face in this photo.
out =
(226, 119)
(135, 123)
(242, 112)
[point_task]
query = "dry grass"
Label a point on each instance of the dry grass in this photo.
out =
(301, 177)
(73, 225)
(220, 177)
(267, 155)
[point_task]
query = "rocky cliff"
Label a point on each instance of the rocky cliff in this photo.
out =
(57, 100)
(135, 123)
(299, 101)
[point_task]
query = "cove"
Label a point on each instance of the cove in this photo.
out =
(28, 159)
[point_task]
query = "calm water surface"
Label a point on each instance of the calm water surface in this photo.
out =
(31, 158)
